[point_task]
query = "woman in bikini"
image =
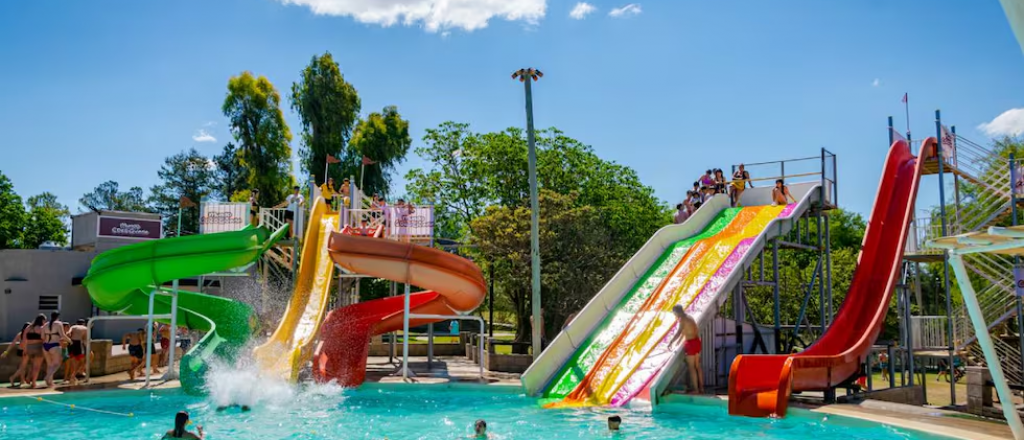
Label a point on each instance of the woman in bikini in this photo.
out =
(32, 340)
(19, 350)
(780, 194)
(53, 340)
(719, 181)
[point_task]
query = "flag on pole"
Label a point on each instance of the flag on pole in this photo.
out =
(948, 145)
(185, 202)
(896, 136)
(368, 161)
(332, 159)
(904, 100)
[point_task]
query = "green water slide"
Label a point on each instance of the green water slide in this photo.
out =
(122, 279)
(584, 358)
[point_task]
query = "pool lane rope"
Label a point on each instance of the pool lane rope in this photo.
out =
(74, 407)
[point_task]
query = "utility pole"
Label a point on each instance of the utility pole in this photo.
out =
(527, 77)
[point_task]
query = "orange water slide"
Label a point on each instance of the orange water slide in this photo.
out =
(760, 385)
(455, 285)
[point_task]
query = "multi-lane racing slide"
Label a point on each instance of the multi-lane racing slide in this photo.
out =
(616, 347)
(121, 280)
(760, 385)
(455, 285)
(290, 346)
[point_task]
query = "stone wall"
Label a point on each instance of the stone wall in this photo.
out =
(103, 362)
(979, 392)
(505, 363)
(906, 395)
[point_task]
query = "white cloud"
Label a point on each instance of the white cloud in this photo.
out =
(210, 123)
(582, 10)
(433, 15)
(203, 136)
(626, 11)
(877, 82)
(1009, 123)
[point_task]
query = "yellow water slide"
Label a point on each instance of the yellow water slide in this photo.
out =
(291, 345)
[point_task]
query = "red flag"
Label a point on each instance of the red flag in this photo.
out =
(332, 159)
(185, 202)
(368, 161)
(904, 100)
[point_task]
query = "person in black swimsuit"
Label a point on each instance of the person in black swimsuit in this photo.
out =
(180, 421)
(32, 341)
(52, 349)
(133, 342)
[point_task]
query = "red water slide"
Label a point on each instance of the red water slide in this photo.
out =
(455, 284)
(760, 385)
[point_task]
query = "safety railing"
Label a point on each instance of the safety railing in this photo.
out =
(820, 168)
(922, 231)
(929, 332)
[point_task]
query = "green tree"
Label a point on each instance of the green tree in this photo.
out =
(384, 138)
(471, 171)
(12, 214)
(230, 174)
(452, 184)
(108, 197)
(578, 255)
(47, 221)
(186, 174)
(253, 106)
(328, 107)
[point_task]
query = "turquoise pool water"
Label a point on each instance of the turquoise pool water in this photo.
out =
(400, 412)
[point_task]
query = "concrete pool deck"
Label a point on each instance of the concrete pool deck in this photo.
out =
(459, 370)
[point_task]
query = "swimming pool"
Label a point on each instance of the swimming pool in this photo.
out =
(401, 412)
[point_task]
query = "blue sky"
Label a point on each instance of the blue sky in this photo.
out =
(95, 91)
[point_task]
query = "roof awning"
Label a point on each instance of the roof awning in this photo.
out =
(997, 240)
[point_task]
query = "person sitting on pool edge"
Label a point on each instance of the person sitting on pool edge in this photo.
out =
(180, 421)
(480, 429)
(614, 422)
(689, 333)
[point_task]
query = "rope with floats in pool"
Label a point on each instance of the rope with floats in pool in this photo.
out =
(74, 407)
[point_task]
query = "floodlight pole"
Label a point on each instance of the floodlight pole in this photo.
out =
(527, 76)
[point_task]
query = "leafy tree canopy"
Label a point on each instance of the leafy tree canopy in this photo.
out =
(253, 107)
(186, 174)
(383, 138)
(47, 220)
(108, 197)
(12, 214)
(328, 107)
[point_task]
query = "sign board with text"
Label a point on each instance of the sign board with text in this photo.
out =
(417, 223)
(223, 217)
(129, 228)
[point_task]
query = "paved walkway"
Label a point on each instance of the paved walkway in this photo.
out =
(441, 370)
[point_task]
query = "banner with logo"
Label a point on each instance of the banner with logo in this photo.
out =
(222, 217)
(1017, 173)
(416, 222)
(1018, 280)
(131, 228)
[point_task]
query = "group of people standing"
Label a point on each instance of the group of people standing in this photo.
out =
(51, 342)
(713, 183)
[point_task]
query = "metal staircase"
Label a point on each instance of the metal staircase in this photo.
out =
(985, 199)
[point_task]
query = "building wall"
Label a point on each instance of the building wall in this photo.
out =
(28, 274)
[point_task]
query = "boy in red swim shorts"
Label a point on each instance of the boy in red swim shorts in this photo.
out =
(687, 331)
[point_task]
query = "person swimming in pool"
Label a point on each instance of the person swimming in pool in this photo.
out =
(180, 422)
(480, 429)
(688, 332)
(613, 423)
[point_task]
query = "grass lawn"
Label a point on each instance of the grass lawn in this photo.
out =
(938, 392)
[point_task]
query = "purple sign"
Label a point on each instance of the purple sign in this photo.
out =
(120, 227)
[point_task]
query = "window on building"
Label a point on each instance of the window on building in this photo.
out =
(49, 303)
